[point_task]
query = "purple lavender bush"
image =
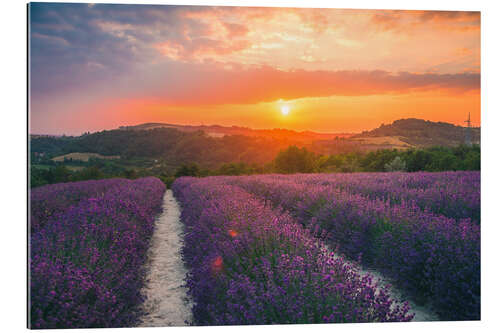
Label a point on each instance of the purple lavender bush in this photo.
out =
(86, 263)
(250, 264)
(433, 257)
(50, 200)
(454, 194)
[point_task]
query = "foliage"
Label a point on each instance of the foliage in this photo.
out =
(171, 145)
(295, 160)
(397, 164)
(290, 160)
(192, 170)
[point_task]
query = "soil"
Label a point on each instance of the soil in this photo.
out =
(167, 302)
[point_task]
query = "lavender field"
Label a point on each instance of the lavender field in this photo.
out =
(88, 245)
(264, 249)
(267, 240)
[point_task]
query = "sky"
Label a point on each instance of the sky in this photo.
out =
(95, 67)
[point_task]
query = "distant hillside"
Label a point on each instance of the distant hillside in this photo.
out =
(212, 146)
(218, 131)
(170, 145)
(421, 133)
(401, 134)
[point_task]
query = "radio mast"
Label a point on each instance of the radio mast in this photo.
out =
(467, 132)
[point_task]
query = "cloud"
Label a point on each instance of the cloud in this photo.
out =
(436, 15)
(68, 39)
(401, 21)
(209, 86)
(187, 54)
(235, 29)
(201, 48)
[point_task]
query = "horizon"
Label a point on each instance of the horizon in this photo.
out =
(98, 67)
(239, 126)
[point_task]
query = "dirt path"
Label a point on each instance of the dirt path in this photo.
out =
(422, 313)
(166, 302)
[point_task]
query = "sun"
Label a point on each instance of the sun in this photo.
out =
(285, 109)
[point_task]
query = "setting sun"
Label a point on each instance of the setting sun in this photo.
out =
(285, 109)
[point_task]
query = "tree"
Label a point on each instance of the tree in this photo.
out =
(294, 160)
(377, 160)
(351, 162)
(418, 160)
(397, 164)
(59, 174)
(472, 160)
(442, 161)
(90, 172)
(38, 177)
(130, 173)
(191, 170)
(234, 169)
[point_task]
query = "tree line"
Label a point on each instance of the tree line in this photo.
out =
(287, 161)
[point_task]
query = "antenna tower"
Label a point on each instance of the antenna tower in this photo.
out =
(467, 132)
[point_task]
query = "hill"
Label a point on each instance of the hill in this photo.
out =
(169, 152)
(168, 146)
(421, 133)
(152, 144)
(218, 131)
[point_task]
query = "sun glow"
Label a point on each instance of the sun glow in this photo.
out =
(285, 109)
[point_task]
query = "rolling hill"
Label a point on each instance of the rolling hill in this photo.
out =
(421, 133)
(218, 131)
(211, 146)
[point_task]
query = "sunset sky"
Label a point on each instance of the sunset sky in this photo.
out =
(97, 67)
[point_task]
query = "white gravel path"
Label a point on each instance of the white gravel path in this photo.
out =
(167, 303)
(422, 313)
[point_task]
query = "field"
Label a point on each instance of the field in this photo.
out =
(387, 142)
(88, 243)
(82, 157)
(261, 249)
(260, 233)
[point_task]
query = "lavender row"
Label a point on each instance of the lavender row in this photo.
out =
(250, 264)
(432, 257)
(455, 194)
(50, 200)
(86, 266)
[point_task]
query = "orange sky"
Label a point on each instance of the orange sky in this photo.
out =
(336, 70)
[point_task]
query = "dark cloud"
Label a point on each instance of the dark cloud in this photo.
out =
(449, 15)
(73, 45)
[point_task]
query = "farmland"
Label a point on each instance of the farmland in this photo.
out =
(82, 157)
(262, 249)
(252, 264)
(88, 245)
(420, 229)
